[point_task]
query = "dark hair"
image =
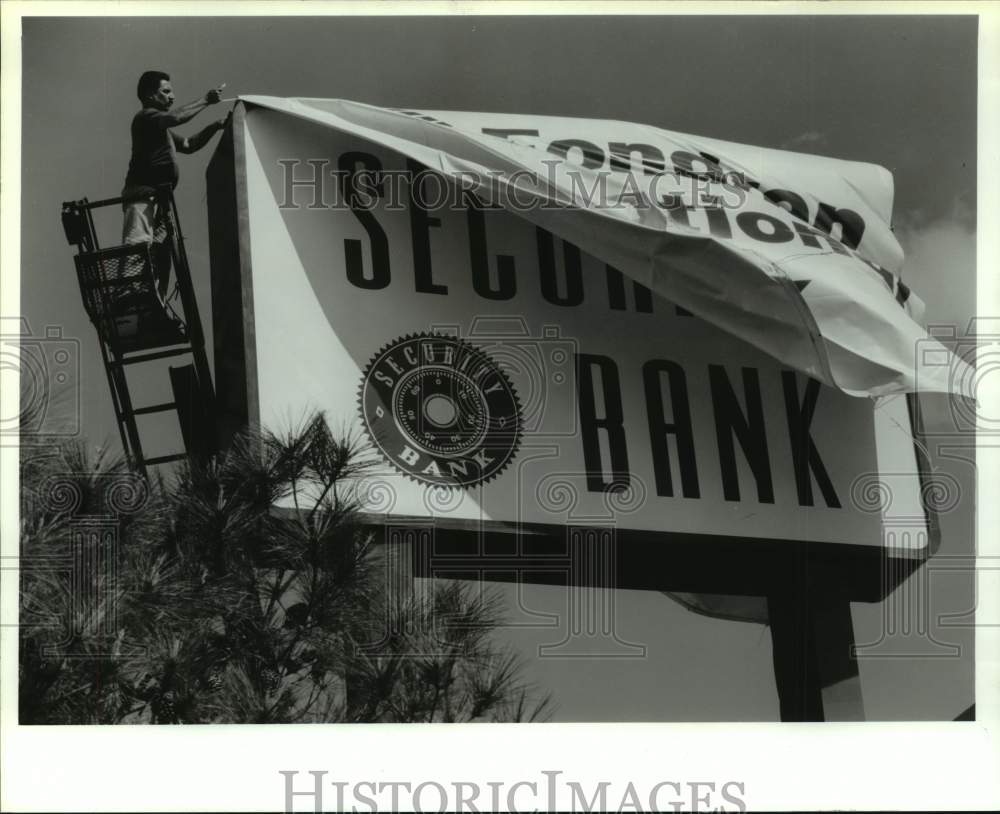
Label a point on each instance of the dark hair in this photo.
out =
(149, 83)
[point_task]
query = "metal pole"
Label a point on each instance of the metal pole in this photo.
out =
(840, 679)
(815, 668)
(795, 664)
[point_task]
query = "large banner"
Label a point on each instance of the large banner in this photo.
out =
(505, 374)
(793, 253)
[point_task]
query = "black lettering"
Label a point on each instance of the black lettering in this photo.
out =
(679, 427)
(810, 237)
(506, 285)
(694, 165)
(852, 227)
(643, 298)
(805, 456)
(420, 235)
(718, 223)
(748, 428)
(612, 423)
(616, 288)
(424, 117)
(677, 208)
(592, 155)
(790, 201)
(650, 156)
(348, 164)
(547, 270)
(741, 180)
(504, 132)
(616, 293)
(902, 292)
(750, 223)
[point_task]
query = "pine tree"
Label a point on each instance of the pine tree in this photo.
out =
(244, 589)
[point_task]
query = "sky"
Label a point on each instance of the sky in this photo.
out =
(900, 92)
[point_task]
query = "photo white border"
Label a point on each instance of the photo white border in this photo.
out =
(785, 766)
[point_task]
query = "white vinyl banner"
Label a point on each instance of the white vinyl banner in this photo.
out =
(530, 367)
(793, 253)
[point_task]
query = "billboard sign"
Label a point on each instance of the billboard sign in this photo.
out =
(504, 375)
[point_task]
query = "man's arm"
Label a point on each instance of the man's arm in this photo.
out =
(191, 144)
(184, 113)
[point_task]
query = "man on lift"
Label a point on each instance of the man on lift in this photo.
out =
(153, 162)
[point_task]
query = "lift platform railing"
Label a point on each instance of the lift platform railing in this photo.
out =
(125, 294)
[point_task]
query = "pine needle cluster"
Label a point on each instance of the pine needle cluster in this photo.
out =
(243, 589)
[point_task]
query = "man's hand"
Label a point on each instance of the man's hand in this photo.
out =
(192, 144)
(185, 113)
(214, 96)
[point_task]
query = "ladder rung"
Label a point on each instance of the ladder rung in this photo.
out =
(164, 459)
(155, 408)
(147, 357)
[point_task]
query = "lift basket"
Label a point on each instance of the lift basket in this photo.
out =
(121, 298)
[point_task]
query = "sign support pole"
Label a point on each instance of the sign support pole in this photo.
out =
(838, 665)
(815, 668)
(795, 667)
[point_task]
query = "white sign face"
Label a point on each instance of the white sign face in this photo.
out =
(504, 375)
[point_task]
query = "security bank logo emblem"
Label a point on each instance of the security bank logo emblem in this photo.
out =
(440, 410)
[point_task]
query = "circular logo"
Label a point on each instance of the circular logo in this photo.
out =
(440, 410)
